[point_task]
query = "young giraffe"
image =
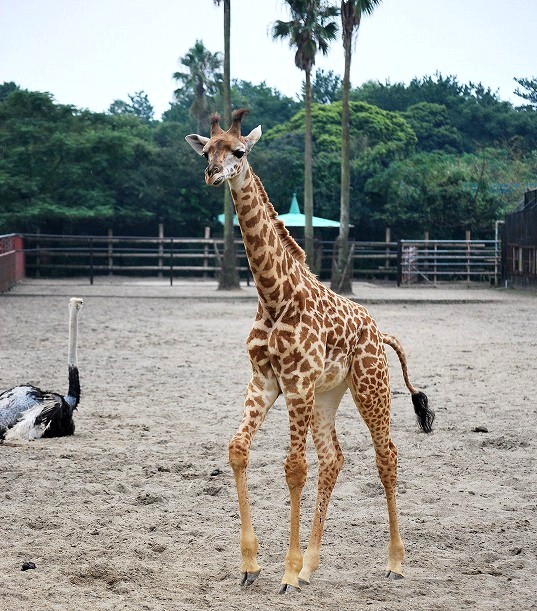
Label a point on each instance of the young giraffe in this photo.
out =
(311, 345)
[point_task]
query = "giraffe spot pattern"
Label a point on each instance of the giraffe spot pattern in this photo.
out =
(309, 344)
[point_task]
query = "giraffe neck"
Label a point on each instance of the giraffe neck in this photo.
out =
(275, 259)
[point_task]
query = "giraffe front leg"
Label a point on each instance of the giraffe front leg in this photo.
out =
(261, 394)
(330, 463)
(296, 468)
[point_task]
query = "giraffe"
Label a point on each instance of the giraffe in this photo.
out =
(311, 345)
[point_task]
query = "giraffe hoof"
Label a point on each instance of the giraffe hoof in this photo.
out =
(247, 579)
(303, 582)
(392, 575)
(288, 589)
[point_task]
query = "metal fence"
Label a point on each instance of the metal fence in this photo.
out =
(432, 261)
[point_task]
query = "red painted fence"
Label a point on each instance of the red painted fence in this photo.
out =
(11, 260)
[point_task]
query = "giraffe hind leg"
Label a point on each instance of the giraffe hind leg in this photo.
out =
(369, 384)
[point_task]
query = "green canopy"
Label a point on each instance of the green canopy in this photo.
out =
(294, 218)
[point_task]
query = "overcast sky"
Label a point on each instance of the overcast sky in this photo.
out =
(91, 52)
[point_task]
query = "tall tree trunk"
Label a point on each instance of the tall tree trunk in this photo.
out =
(229, 277)
(342, 277)
(308, 178)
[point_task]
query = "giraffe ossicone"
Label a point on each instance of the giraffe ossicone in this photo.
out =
(311, 345)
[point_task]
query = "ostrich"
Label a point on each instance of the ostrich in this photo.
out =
(27, 412)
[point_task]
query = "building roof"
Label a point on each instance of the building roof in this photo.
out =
(294, 218)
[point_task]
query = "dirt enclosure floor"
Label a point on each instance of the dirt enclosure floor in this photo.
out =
(138, 509)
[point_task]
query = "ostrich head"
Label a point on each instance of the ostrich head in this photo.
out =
(225, 151)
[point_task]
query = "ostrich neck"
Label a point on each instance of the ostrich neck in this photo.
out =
(273, 268)
(73, 333)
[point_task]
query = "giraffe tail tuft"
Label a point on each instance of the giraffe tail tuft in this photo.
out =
(419, 399)
(424, 414)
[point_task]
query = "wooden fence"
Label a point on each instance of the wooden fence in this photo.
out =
(429, 261)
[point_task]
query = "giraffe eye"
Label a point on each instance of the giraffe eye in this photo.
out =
(206, 155)
(238, 154)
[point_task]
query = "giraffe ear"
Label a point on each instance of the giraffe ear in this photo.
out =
(252, 138)
(197, 142)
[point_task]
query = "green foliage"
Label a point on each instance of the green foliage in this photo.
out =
(377, 137)
(61, 166)
(266, 105)
(444, 193)
(310, 30)
(139, 107)
(372, 129)
(440, 156)
(325, 87)
(474, 111)
(527, 90)
(201, 82)
(433, 128)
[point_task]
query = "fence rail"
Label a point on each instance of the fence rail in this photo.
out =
(407, 261)
(433, 260)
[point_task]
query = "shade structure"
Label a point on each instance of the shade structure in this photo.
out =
(294, 218)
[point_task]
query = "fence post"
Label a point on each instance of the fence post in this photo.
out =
(435, 255)
(110, 252)
(91, 261)
(171, 261)
(38, 257)
(468, 235)
(399, 262)
(160, 248)
(388, 239)
(20, 259)
(426, 255)
(497, 251)
(207, 235)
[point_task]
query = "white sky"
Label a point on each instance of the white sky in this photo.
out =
(90, 52)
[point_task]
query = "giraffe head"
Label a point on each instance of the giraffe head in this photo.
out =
(226, 151)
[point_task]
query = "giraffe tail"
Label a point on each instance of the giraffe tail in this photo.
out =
(419, 399)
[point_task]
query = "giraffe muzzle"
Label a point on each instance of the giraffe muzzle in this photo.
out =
(214, 175)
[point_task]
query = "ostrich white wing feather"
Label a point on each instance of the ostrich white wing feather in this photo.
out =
(25, 428)
(15, 401)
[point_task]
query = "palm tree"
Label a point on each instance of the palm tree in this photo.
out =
(229, 277)
(310, 30)
(351, 17)
(202, 80)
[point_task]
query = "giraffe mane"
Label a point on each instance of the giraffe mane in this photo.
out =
(287, 240)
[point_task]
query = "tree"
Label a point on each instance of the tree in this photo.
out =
(325, 87)
(528, 91)
(229, 277)
(351, 17)
(447, 194)
(139, 107)
(378, 138)
(262, 101)
(310, 30)
(7, 88)
(433, 127)
(63, 167)
(201, 82)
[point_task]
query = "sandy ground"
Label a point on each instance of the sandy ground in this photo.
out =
(138, 510)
